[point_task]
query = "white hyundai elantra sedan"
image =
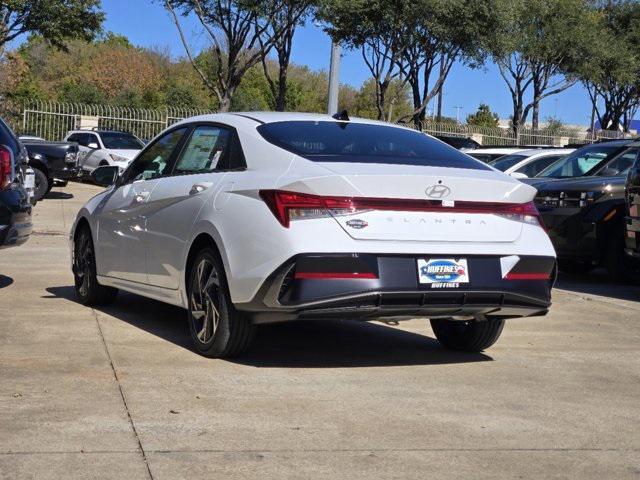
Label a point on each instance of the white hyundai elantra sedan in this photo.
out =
(253, 218)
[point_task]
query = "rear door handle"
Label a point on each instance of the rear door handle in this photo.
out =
(199, 188)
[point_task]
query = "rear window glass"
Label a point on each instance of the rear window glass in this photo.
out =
(346, 142)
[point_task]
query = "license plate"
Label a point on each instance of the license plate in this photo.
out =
(29, 181)
(443, 272)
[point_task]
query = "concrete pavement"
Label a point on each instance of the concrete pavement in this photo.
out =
(117, 393)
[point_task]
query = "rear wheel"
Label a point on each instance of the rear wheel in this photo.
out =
(88, 290)
(471, 336)
(43, 185)
(217, 328)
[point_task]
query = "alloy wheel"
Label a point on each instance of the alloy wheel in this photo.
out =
(204, 301)
(83, 262)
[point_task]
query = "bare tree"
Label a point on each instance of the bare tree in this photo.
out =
(543, 45)
(241, 35)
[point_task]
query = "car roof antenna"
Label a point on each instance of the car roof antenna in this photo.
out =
(342, 116)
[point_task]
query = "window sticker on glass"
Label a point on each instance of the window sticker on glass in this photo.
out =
(204, 150)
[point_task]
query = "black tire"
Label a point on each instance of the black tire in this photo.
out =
(217, 329)
(472, 336)
(88, 290)
(574, 267)
(614, 259)
(43, 184)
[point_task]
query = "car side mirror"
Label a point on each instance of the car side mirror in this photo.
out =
(105, 176)
(93, 146)
(519, 175)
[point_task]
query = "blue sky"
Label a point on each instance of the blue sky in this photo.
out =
(148, 24)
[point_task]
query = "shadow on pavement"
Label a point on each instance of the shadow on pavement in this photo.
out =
(56, 195)
(5, 281)
(595, 283)
(310, 344)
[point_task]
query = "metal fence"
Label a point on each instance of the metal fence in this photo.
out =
(526, 136)
(52, 120)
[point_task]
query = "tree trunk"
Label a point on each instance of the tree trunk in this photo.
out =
(281, 98)
(417, 102)
(440, 90)
(517, 121)
(439, 114)
(225, 101)
(535, 115)
(381, 98)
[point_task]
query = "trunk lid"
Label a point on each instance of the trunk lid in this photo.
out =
(446, 187)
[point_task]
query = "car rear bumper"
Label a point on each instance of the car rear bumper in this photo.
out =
(366, 286)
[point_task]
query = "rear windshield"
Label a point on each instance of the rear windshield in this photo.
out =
(121, 141)
(364, 143)
(506, 162)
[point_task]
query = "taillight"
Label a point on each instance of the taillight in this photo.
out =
(288, 206)
(5, 166)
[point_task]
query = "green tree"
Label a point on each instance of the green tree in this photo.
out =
(612, 73)
(553, 126)
(396, 101)
(55, 20)
(484, 117)
(540, 49)
(417, 41)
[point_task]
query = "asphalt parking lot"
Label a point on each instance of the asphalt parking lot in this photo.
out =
(118, 393)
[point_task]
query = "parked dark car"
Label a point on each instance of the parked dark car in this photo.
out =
(632, 220)
(581, 200)
(53, 162)
(15, 208)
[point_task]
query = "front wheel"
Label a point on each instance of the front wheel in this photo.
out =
(217, 329)
(42, 184)
(88, 290)
(471, 336)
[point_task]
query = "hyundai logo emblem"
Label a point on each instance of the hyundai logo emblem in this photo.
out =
(438, 191)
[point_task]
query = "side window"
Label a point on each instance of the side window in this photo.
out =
(535, 167)
(82, 139)
(206, 151)
(91, 138)
(152, 162)
(620, 164)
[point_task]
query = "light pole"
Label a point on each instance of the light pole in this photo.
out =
(458, 114)
(334, 79)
